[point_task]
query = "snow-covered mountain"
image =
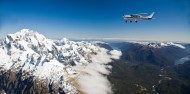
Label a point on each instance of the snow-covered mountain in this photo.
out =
(160, 44)
(75, 67)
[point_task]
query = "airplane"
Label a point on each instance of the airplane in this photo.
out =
(137, 17)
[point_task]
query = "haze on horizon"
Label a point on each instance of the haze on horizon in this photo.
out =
(97, 19)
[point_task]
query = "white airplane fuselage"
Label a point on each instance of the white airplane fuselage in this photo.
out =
(137, 17)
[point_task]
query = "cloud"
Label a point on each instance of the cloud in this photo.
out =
(115, 54)
(93, 79)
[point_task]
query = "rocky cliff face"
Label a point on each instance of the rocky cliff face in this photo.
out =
(13, 83)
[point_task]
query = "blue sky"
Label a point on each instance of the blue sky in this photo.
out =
(97, 19)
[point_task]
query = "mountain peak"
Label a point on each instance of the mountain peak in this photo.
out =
(25, 30)
(25, 35)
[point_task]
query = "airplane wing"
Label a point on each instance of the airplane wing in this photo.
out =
(137, 15)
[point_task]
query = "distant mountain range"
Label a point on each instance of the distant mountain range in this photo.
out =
(161, 54)
(149, 68)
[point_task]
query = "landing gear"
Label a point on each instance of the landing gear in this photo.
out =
(136, 21)
(130, 21)
(126, 21)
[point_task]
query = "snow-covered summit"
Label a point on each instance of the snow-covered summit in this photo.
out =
(62, 50)
(51, 60)
(160, 44)
(26, 35)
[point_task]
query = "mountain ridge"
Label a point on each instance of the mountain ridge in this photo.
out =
(53, 61)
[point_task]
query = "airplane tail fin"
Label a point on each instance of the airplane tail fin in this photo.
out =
(151, 15)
